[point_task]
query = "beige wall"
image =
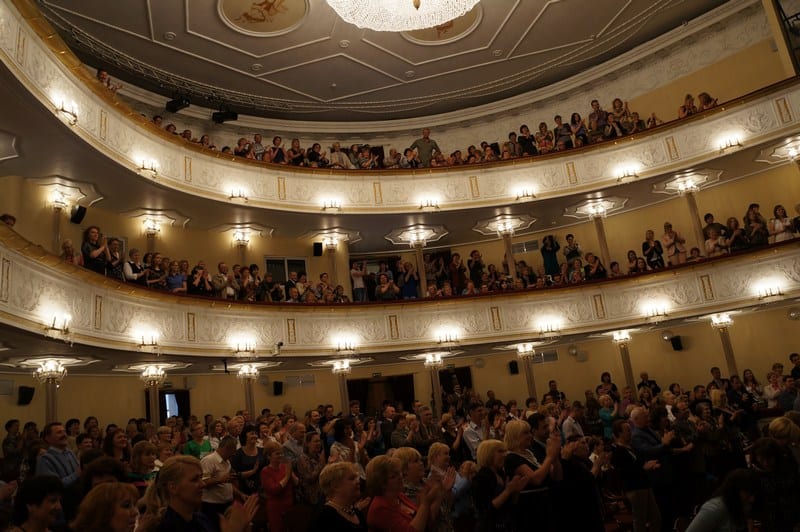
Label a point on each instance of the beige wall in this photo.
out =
(759, 339)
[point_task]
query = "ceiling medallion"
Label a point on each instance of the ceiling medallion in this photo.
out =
(403, 15)
(448, 32)
(262, 19)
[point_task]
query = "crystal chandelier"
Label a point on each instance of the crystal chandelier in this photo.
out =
(433, 361)
(153, 376)
(341, 367)
(525, 351)
(400, 15)
(50, 370)
(247, 372)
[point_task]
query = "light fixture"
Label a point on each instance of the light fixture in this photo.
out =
(721, 321)
(793, 314)
(58, 329)
(597, 210)
(69, 115)
(428, 205)
(58, 200)
(525, 194)
(400, 15)
(768, 289)
(247, 372)
(345, 347)
(148, 170)
(153, 376)
(626, 173)
(433, 361)
(151, 227)
(238, 196)
(549, 330)
(341, 367)
(330, 244)
(621, 337)
(331, 205)
(505, 228)
(793, 154)
(241, 238)
(244, 347)
(525, 351)
(655, 312)
(687, 187)
(729, 144)
(148, 341)
(417, 239)
(50, 370)
(448, 338)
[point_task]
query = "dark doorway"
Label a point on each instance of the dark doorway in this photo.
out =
(171, 403)
(448, 379)
(373, 391)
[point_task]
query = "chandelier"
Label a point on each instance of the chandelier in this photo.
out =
(400, 15)
(247, 372)
(153, 376)
(433, 361)
(341, 367)
(50, 370)
(525, 351)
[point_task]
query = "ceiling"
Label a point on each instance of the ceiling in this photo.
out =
(301, 62)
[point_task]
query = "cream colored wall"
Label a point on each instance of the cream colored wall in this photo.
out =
(758, 339)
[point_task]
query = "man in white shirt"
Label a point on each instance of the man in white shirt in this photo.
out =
(475, 432)
(357, 273)
(571, 427)
(217, 478)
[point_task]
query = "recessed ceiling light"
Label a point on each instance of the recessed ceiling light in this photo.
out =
(170, 35)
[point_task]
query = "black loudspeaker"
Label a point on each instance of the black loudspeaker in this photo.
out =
(25, 395)
(317, 249)
(277, 387)
(513, 367)
(677, 345)
(78, 213)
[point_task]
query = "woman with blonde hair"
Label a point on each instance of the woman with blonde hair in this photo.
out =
(108, 507)
(452, 483)
(413, 471)
(341, 485)
(493, 491)
(173, 501)
(391, 510)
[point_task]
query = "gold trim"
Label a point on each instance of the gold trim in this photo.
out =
(103, 124)
(281, 187)
(191, 327)
(784, 110)
(572, 174)
(708, 288)
(497, 322)
(473, 187)
(291, 332)
(187, 169)
(599, 306)
(98, 312)
(394, 331)
(672, 148)
(5, 280)
(377, 191)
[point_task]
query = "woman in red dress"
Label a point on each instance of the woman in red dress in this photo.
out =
(390, 510)
(278, 483)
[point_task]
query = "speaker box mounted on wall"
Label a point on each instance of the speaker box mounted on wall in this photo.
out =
(78, 213)
(513, 367)
(25, 395)
(677, 345)
(277, 387)
(317, 249)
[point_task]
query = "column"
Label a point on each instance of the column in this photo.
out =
(512, 264)
(423, 282)
(330, 250)
(697, 227)
(527, 370)
(625, 355)
(727, 349)
(343, 268)
(249, 397)
(600, 228)
(154, 414)
(241, 254)
(344, 398)
(778, 31)
(436, 387)
(51, 401)
(151, 243)
(57, 215)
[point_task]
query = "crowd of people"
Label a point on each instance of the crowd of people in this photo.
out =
(599, 125)
(720, 456)
(446, 274)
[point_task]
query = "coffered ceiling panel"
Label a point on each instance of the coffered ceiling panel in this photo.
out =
(298, 60)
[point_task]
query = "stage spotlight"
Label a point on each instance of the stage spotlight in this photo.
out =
(173, 106)
(224, 116)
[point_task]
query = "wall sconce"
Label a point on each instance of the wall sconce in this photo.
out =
(550, 331)
(345, 347)
(433, 361)
(241, 238)
(729, 144)
(247, 372)
(330, 244)
(721, 321)
(448, 338)
(151, 227)
(331, 205)
(655, 311)
(428, 205)
(626, 173)
(148, 341)
(769, 291)
(525, 351)
(59, 328)
(620, 337)
(148, 170)
(525, 194)
(341, 367)
(238, 196)
(70, 115)
(244, 347)
(58, 200)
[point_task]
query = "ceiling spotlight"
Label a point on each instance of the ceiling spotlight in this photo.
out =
(173, 106)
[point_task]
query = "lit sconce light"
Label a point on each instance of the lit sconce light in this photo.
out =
(505, 228)
(433, 361)
(729, 144)
(626, 173)
(525, 351)
(58, 200)
(70, 115)
(153, 376)
(238, 196)
(151, 227)
(330, 244)
(241, 238)
(58, 329)
(428, 204)
(247, 372)
(331, 205)
(621, 337)
(687, 187)
(448, 337)
(148, 341)
(655, 311)
(525, 194)
(244, 346)
(345, 347)
(550, 330)
(148, 169)
(721, 321)
(341, 367)
(50, 370)
(793, 154)
(769, 290)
